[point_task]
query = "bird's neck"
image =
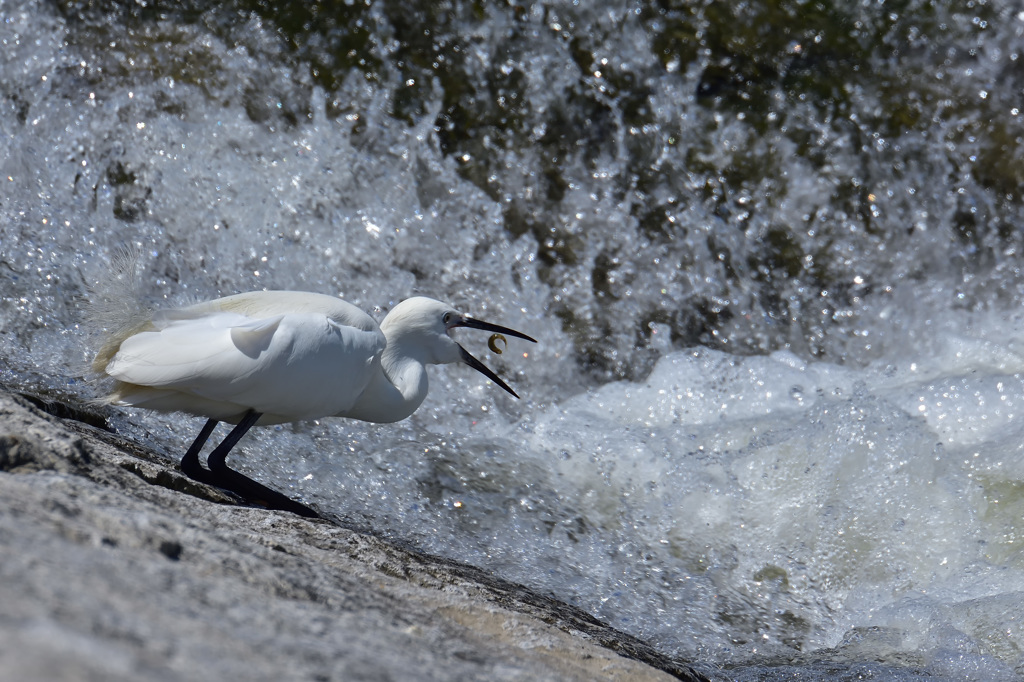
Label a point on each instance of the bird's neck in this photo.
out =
(395, 392)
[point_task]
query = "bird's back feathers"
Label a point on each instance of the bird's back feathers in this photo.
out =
(289, 355)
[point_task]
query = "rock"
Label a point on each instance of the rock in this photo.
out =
(117, 567)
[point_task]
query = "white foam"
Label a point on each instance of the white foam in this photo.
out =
(727, 507)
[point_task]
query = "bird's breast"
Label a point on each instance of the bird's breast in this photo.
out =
(312, 368)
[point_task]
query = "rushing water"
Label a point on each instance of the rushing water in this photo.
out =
(771, 251)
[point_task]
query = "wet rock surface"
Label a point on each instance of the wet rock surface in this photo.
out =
(118, 567)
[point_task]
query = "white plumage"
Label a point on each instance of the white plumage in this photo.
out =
(268, 357)
(285, 356)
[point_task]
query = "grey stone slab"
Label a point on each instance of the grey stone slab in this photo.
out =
(116, 567)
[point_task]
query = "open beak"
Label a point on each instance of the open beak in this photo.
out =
(487, 327)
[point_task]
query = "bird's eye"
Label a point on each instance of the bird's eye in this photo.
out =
(447, 318)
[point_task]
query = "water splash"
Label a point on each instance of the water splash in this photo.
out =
(819, 199)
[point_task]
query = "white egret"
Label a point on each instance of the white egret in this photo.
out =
(269, 357)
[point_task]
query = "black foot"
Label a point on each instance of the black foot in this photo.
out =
(221, 476)
(260, 495)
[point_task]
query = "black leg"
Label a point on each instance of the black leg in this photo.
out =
(216, 459)
(222, 476)
(190, 465)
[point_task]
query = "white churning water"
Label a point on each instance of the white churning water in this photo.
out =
(776, 407)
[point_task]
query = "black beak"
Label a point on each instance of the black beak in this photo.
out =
(487, 327)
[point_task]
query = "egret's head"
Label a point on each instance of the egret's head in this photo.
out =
(420, 327)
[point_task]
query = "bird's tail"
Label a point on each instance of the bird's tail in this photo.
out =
(116, 309)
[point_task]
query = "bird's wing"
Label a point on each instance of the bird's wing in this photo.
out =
(300, 365)
(184, 352)
(255, 337)
(262, 304)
